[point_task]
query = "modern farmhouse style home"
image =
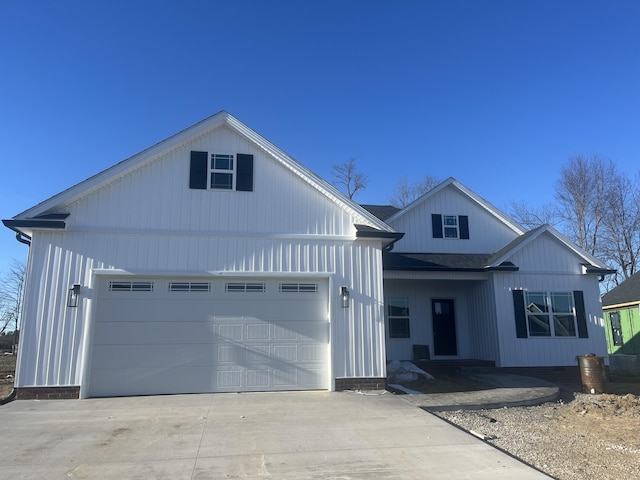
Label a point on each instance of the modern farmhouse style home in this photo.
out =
(214, 262)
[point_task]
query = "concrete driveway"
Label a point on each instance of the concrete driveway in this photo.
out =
(292, 435)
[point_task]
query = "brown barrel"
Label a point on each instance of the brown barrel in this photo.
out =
(592, 373)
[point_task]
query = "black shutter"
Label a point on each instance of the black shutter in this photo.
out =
(436, 225)
(463, 222)
(521, 315)
(581, 314)
(199, 170)
(244, 180)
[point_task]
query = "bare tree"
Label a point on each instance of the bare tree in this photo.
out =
(407, 191)
(620, 240)
(348, 176)
(11, 297)
(534, 217)
(582, 193)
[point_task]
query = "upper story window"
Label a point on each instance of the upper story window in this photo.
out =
(221, 171)
(450, 223)
(450, 226)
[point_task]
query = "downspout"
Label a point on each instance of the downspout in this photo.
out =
(23, 238)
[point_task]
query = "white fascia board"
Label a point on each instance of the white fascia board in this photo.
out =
(499, 214)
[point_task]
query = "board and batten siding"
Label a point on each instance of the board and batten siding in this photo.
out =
(156, 197)
(483, 327)
(486, 233)
(546, 266)
(55, 338)
(147, 221)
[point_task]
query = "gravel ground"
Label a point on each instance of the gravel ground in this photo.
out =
(579, 437)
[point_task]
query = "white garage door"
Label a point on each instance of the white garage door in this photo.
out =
(161, 336)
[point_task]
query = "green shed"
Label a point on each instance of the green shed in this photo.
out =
(621, 308)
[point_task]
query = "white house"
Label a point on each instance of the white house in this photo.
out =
(468, 281)
(214, 262)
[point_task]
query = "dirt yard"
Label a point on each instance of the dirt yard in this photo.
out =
(7, 370)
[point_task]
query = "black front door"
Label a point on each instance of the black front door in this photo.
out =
(444, 327)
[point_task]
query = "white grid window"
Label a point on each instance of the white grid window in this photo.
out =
(222, 172)
(189, 286)
(117, 286)
(298, 288)
(239, 287)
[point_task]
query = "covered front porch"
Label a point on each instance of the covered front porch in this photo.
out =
(438, 316)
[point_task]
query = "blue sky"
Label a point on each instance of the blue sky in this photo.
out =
(498, 94)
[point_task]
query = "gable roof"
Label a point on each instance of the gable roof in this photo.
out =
(592, 264)
(490, 261)
(628, 292)
(481, 202)
(59, 202)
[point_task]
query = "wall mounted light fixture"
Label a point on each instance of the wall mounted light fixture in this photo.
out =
(74, 294)
(344, 296)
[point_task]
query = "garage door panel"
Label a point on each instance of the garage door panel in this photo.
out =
(257, 354)
(152, 356)
(135, 332)
(152, 381)
(213, 341)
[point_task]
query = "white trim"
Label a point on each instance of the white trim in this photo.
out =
(207, 273)
(216, 234)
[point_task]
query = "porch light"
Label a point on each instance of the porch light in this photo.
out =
(74, 294)
(344, 295)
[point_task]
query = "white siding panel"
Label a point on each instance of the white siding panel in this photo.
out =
(558, 351)
(280, 202)
(547, 255)
(487, 234)
(483, 326)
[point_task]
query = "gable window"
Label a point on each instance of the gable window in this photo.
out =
(450, 226)
(450, 223)
(221, 171)
(398, 317)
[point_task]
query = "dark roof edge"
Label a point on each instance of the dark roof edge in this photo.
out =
(498, 268)
(599, 271)
(34, 223)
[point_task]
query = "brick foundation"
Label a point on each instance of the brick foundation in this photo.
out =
(48, 393)
(360, 384)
